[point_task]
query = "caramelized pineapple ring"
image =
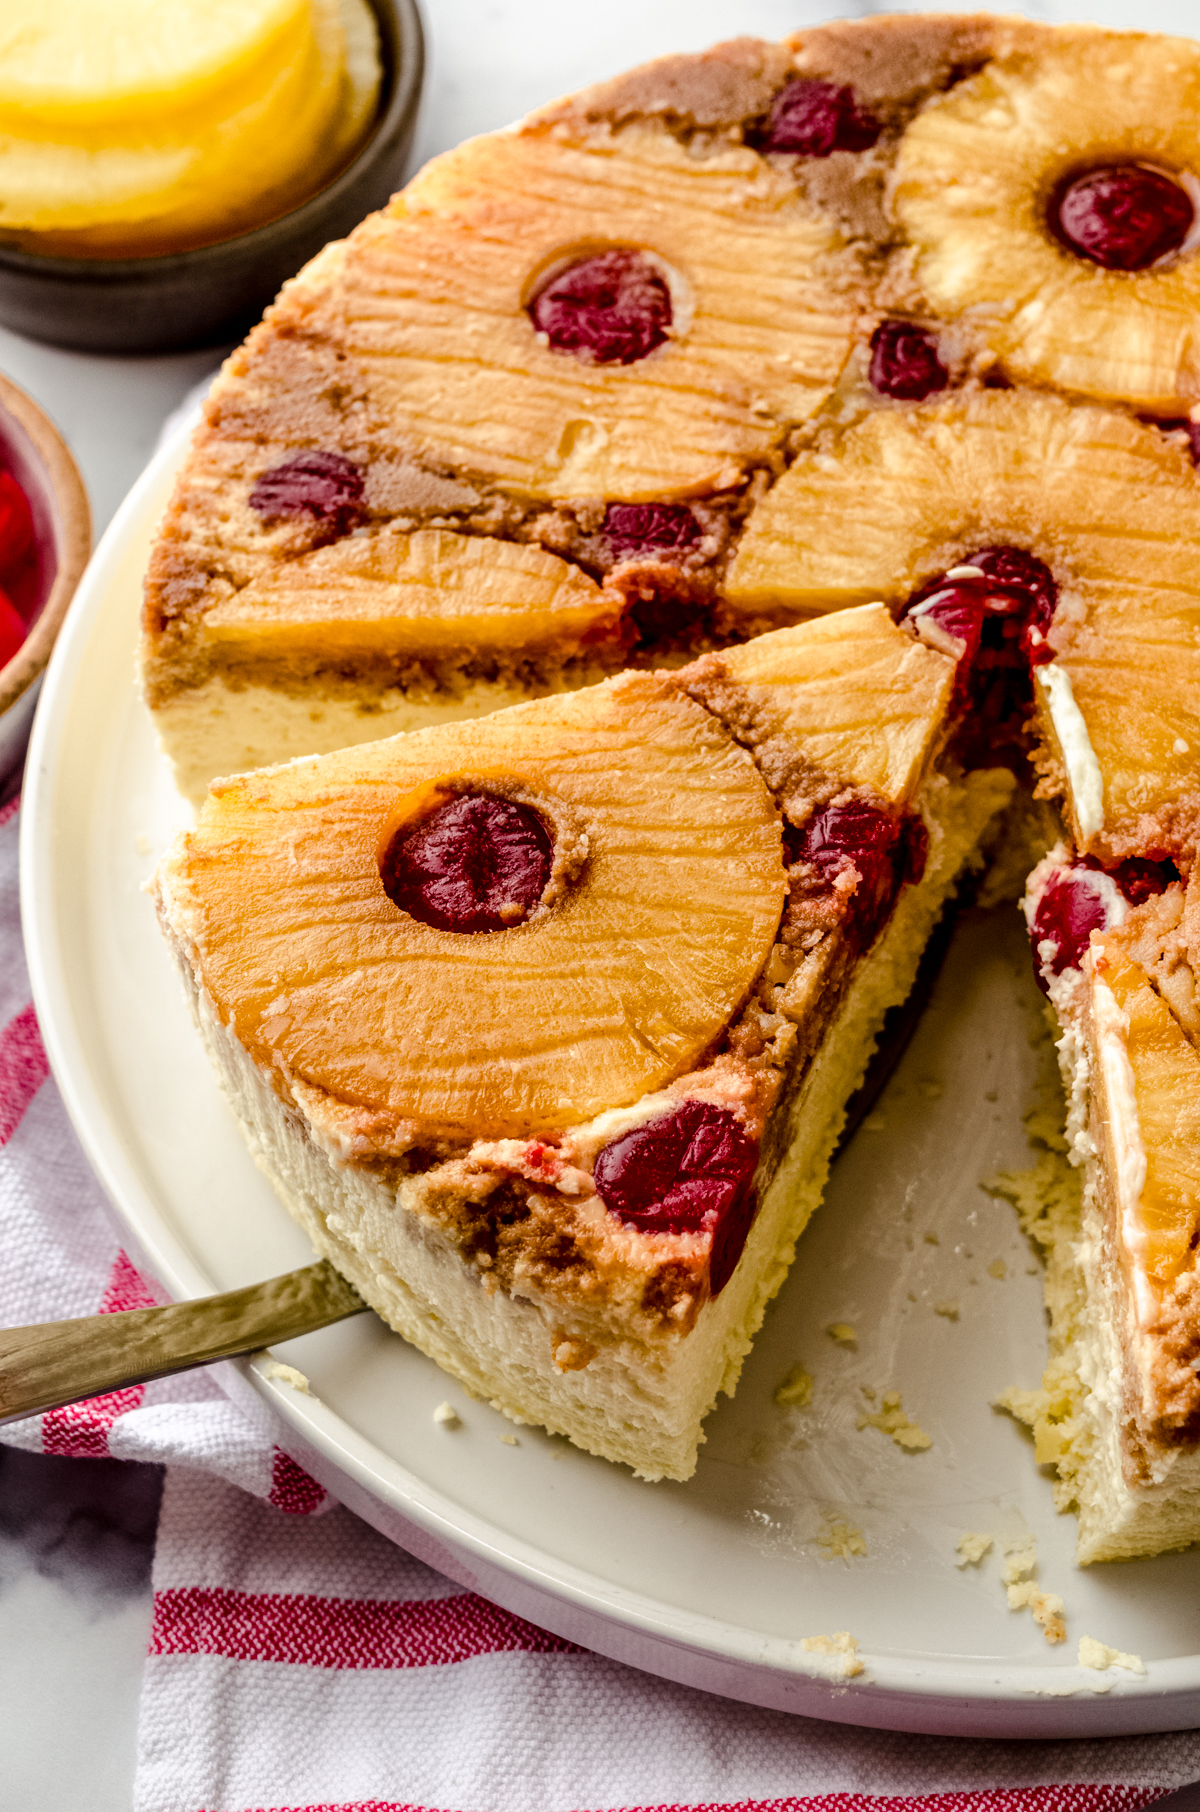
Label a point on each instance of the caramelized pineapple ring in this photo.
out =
(394, 595)
(434, 295)
(1159, 1224)
(980, 176)
(1111, 505)
(619, 987)
(877, 732)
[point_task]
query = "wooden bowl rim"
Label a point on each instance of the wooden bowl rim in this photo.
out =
(75, 543)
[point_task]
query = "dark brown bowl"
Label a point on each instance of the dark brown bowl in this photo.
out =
(195, 298)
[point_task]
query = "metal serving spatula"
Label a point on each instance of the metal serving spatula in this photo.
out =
(58, 1362)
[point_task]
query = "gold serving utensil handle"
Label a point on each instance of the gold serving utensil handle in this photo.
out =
(59, 1362)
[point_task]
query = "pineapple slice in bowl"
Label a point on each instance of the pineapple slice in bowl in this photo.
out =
(1054, 200)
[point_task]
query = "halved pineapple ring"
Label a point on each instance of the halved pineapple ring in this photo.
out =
(394, 595)
(1110, 504)
(978, 171)
(434, 296)
(620, 986)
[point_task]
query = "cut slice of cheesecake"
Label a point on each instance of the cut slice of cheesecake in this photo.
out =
(543, 1026)
(1119, 1411)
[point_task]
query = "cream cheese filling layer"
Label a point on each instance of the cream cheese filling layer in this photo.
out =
(1083, 770)
(1129, 1153)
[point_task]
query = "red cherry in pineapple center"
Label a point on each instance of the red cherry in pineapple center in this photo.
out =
(1124, 217)
(612, 309)
(688, 1171)
(475, 864)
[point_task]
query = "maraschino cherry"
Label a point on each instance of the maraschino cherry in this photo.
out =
(610, 309)
(883, 849)
(1075, 902)
(475, 864)
(905, 362)
(689, 1171)
(326, 486)
(1124, 217)
(814, 119)
(633, 529)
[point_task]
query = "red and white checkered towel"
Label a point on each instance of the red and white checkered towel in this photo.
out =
(302, 1662)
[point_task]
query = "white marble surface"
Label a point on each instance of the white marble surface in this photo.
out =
(75, 1536)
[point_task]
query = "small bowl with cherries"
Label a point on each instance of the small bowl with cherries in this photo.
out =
(45, 539)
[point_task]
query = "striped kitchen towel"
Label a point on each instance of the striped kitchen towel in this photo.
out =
(63, 1256)
(301, 1663)
(307, 1664)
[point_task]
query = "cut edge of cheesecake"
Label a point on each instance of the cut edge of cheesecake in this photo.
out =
(628, 1365)
(634, 1403)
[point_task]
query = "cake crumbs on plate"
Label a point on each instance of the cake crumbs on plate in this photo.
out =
(890, 1419)
(972, 1547)
(841, 1648)
(843, 1333)
(510, 1440)
(1100, 1656)
(931, 1238)
(287, 1374)
(874, 1123)
(1023, 1593)
(931, 1088)
(949, 1309)
(998, 1269)
(841, 1540)
(446, 1416)
(796, 1390)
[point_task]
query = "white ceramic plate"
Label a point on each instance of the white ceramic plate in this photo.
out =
(714, 1582)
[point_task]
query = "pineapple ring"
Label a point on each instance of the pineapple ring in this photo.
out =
(622, 985)
(977, 171)
(394, 596)
(1112, 505)
(433, 295)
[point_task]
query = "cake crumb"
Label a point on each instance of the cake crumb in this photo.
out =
(841, 1647)
(796, 1390)
(931, 1089)
(510, 1440)
(843, 1333)
(972, 1547)
(1024, 1594)
(287, 1374)
(446, 1416)
(142, 844)
(948, 1309)
(841, 1540)
(891, 1420)
(1100, 1656)
(998, 1269)
(874, 1123)
(869, 1392)
(931, 1238)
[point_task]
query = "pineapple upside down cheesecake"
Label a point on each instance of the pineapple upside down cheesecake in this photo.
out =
(692, 412)
(543, 1025)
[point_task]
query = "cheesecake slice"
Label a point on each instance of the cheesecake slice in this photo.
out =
(543, 1026)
